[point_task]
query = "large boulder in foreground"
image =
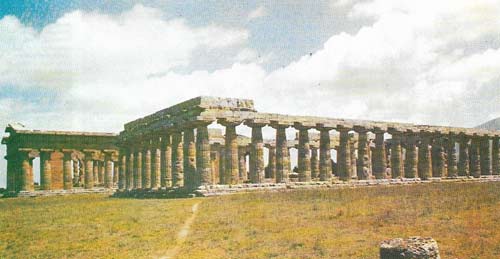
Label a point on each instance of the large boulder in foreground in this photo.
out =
(411, 248)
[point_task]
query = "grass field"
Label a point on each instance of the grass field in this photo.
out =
(463, 217)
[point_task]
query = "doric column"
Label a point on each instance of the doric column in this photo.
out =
(215, 160)
(189, 148)
(177, 159)
(146, 172)
(89, 169)
(122, 178)
(271, 163)
(242, 164)
(314, 163)
(166, 161)
(452, 156)
(325, 163)
(26, 157)
(475, 164)
(232, 172)
(411, 160)
(352, 155)
(464, 160)
(438, 156)
(304, 153)
(495, 156)
(344, 155)
(116, 172)
(45, 169)
(257, 166)
(76, 172)
(485, 156)
(130, 170)
(379, 158)
(138, 169)
(424, 156)
(108, 171)
(102, 171)
(12, 169)
(96, 171)
(396, 164)
(203, 162)
(156, 166)
(282, 158)
(222, 165)
(363, 162)
(67, 169)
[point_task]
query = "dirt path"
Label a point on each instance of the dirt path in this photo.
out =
(182, 234)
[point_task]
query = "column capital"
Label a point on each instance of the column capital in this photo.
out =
(324, 127)
(226, 122)
(360, 129)
(30, 152)
(255, 123)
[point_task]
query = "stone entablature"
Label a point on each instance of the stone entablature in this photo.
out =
(175, 148)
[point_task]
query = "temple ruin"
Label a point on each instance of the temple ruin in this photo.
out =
(175, 147)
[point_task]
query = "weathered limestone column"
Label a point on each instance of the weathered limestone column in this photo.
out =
(67, 169)
(495, 160)
(242, 164)
(138, 169)
(108, 172)
(475, 164)
(282, 158)
(130, 170)
(438, 157)
(96, 171)
(352, 155)
(189, 148)
(325, 164)
(146, 173)
(222, 165)
(156, 170)
(271, 164)
(379, 157)
(344, 155)
(26, 158)
(177, 159)
(76, 172)
(485, 156)
(122, 179)
(257, 166)
(411, 161)
(203, 162)
(424, 156)
(89, 169)
(363, 161)
(452, 156)
(314, 163)
(396, 165)
(464, 160)
(46, 169)
(116, 172)
(12, 167)
(215, 159)
(102, 171)
(166, 161)
(232, 172)
(304, 154)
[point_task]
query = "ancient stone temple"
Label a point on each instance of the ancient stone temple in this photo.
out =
(175, 147)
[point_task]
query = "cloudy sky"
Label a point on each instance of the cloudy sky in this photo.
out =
(93, 65)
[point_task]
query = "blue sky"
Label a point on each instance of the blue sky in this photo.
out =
(94, 65)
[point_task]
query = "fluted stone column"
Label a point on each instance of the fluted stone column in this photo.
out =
(116, 172)
(146, 173)
(203, 162)
(122, 178)
(424, 156)
(396, 164)
(12, 166)
(363, 161)
(282, 158)
(379, 156)
(344, 155)
(485, 156)
(76, 172)
(438, 157)
(166, 161)
(257, 166)
(411, 161)
(156, 167)
(215, 160)
(222, 165)
(304, 154)
(464, 160)
(138, 169)
(26, 159)
(325, 164)
(242, 164)
(189, 149)
(475, 164)
(271, 164)
(452, 156)
(232, 172)
(177, 159)
(46, 170)
(89, 170)
(130, 170)
(314, 163)
(96, 172)
(495, 156)
(108, 170)
(67, 170)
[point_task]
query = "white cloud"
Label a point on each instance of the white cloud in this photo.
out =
(260, 11)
